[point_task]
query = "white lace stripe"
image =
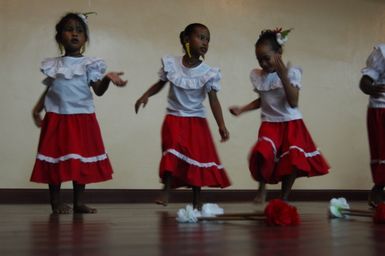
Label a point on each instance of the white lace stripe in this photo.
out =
(192, 161)
(307, 154)
(72, 156)
(377, 161)
(271, 142)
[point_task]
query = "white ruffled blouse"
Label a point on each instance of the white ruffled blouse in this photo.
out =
(375, 69)
(274, 105)
(188, 86)
(68, 79)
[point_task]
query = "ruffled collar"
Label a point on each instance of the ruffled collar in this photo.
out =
(67, 66)
(263, 81)
(187, 78)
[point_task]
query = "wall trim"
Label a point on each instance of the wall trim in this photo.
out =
(40, 196)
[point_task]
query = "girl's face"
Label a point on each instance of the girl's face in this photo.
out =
(73, 37)
(199, 41)
(266, 57)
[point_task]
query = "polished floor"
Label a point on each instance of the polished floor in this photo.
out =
(149, 229)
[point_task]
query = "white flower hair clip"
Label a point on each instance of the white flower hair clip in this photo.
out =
(282, 35)
(84, 16)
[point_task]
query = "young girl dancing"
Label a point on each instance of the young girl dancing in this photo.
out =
(285, 149)
(189, 155)
(71, 146)
(373, 84)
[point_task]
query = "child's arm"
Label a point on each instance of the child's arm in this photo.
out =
(292, 92)
(236, 110)
(217, 112)
(101, 86)
(151, 91)
(367, 87)
(39, 106)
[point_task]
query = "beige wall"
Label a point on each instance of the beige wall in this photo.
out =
(330, 42)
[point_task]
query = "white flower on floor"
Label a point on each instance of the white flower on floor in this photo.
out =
(190, 215)
(335, 207)
(211, 210)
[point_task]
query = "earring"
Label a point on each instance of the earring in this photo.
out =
(187, 46)
(61, 48)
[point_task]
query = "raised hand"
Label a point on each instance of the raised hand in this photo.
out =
(235, 110)
(115, 78)
(280, 67)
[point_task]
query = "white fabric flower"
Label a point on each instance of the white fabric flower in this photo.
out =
(188, 214)
(191, 215)
(281, 39)
(211, 210)
(335, 207)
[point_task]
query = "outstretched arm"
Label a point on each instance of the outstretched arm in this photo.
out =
(39, 106)
(217, 112)
(292, 93)
(367, 87)
(154, 89)
(101, 86)
(237, 110)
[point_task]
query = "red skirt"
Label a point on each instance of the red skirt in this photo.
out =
(71, 149)
(189, 153)
(282, 148)
(376, 134)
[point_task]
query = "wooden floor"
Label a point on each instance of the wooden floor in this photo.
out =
(147, 229)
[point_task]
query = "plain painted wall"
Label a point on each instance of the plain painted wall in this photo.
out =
(331, 41)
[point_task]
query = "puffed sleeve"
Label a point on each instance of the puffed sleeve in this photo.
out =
(295, 75)
(375, 64)
(214, 81)
(96, 69)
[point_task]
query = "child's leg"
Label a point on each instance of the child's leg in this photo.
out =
(260, 198)
(197, 203)
(287, 183)
(57, 206)
(79, 206)
(375, 195)
(164, 197)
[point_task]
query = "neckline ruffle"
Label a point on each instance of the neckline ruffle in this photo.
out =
(68, 67)
(188, 78)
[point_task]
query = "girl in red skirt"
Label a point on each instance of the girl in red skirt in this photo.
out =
(189, 155)
(373, 84)
(71, 146)
(285, 149)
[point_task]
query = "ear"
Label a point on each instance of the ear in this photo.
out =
(280, 51)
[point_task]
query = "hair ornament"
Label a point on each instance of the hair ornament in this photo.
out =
(84, 16)
(282, 35)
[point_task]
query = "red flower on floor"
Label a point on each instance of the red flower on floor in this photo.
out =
(280, 213)
(379, 215)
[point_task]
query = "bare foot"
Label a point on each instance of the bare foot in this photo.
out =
(198, 206)
(162, 200)
(84, 209)
(375, 196)
(260, 198)
(61, 209)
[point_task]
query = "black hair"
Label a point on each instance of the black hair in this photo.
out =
(269, 37)
(63, 21)
(189, 30)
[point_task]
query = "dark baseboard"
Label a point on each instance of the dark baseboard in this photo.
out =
(37, 196)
